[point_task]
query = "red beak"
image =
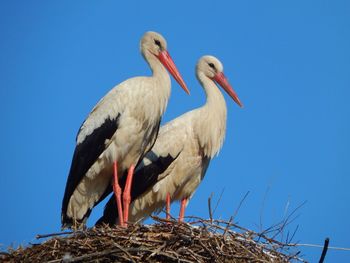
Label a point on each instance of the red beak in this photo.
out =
(223, 82)
(169, 64)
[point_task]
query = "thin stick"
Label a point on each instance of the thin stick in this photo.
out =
(240, 204)
(209, 208)
(125, 251)
(217, 203)
(38, 236)
(324, 251)
(320, 246)
(263, 207)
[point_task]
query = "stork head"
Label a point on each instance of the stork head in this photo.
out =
(212, 68)
(154, 44)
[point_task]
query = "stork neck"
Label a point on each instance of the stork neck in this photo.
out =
(213, 115)
(158, 70)
(215, 103)
(161, 79)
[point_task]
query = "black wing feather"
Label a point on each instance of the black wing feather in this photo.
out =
(85, 154)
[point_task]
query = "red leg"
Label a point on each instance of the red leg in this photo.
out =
(167, 206)
(117, 192)
(182, 209)
(126, 194)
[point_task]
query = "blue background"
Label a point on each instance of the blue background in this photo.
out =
(289, 62)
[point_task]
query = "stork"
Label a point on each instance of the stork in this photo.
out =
(117, 133)
(178, 161)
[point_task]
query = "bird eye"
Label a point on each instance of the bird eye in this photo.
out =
(157, 42)
(211, 65)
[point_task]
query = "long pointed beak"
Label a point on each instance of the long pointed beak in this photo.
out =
(223, 82)
(169, 64)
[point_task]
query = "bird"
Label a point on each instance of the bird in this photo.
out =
(179, 159)
(117, 133)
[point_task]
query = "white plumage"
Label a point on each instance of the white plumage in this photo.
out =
(121, 128)
(178, 160)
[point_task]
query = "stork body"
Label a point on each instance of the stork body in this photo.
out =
(120, 129)
(180, 157)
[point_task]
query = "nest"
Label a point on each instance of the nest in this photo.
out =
(164, 241)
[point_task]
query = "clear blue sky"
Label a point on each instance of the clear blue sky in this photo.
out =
(289, 62)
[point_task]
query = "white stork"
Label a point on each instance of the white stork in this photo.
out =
(120, 129)
(180, 157)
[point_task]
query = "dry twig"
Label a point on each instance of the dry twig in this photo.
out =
(198, 241)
